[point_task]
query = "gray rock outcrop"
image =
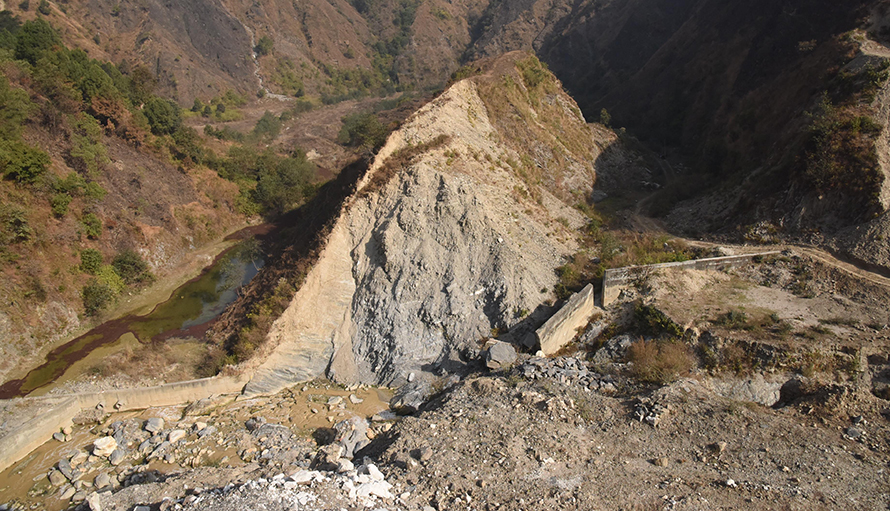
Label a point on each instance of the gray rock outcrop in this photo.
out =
(446, 252)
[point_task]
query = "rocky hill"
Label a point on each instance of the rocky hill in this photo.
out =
(451, 236)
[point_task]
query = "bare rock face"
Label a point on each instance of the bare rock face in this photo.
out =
(447, 240)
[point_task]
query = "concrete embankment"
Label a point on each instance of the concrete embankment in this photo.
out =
(616, 279)
(61, 409)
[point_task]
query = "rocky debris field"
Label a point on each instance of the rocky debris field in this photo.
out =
(548, 433)
(799, 422)
(513, 443)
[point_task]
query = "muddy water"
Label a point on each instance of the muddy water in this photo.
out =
(303, 411)
(189, 312)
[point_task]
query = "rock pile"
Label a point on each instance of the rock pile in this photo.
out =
(362, 487)
(568, 371)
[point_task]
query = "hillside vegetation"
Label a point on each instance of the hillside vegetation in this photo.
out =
(104, 185)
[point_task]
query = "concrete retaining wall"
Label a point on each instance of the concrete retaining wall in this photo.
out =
(616, 279)
(18, 443)
(562, 327)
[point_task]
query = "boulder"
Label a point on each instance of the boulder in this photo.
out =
(410, 397)
(352, 434)
(104, 446)
(102, 481)
(500, 355)
(154, 424)
(56, 478)
(176, 435)
(117, 457)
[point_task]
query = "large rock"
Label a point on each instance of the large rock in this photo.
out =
(410, 397)
(352, 434)
(104, 446)
(500, 355)
(154, 424)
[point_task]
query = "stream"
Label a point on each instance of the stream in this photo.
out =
(188, 313)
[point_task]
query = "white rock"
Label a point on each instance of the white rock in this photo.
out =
(78, 458)
(375, 473)
(304, 476)
(376, 488)
(344, 465)
(176, 435)
(104, 446)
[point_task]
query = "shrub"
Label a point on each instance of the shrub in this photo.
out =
(90, 261)
(59, 203)
(14, 227)
(22, 162)
(163, 116)
(651, 321)
(362, 130)
(92, 226)
(267, 127)
(43, 8)
(131, 267)
(533, 71)
(96, 296)
(660, 361)
(264, 46)
(109, 277)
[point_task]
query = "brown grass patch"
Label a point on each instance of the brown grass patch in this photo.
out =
(660, 361)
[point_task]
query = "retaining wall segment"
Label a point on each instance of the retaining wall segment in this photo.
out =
(563, 326)
(18, 443)
(617, 279)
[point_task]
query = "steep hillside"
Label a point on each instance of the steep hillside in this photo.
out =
(98, 196)
(452, 235)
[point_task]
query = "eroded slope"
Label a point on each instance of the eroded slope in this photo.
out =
(452, 236)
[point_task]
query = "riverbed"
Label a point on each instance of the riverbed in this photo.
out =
(182, 316)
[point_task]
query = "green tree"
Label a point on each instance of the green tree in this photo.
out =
(59, 203)
(88, 153)
(163, 116)
(9, 28)
(43, 8)
(264, 46)
(15, 107)
(90, 261)
(142, 85)
(131, 267)
(96, 296)
(605, 118)
(34, 38)
(268, 127)
(362, 130)
(283, 184)
(22, 162)
(14, 226)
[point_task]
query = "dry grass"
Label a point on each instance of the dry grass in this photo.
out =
(660, 362)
